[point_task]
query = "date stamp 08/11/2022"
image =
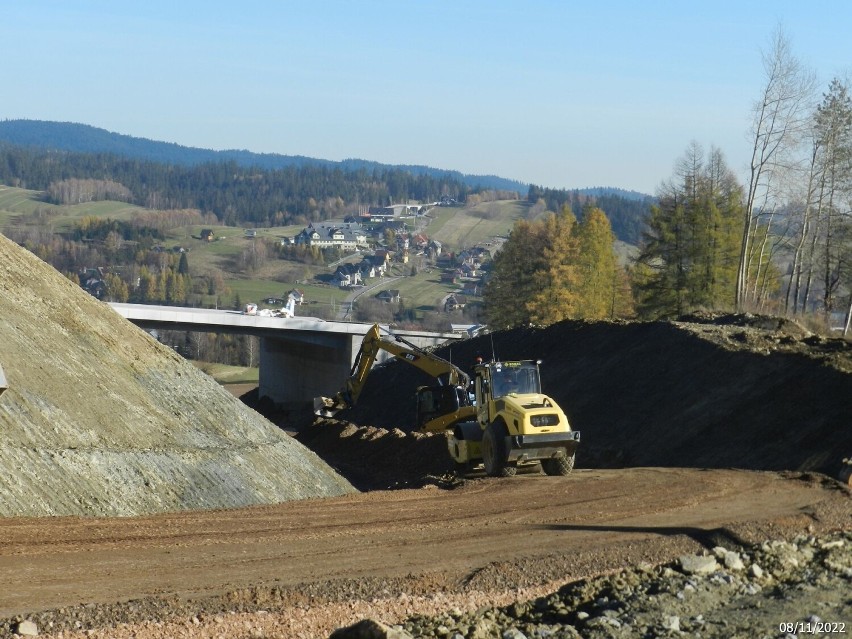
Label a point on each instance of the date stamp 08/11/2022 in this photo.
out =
(812, 627)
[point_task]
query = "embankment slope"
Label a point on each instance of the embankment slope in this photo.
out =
(101, 420)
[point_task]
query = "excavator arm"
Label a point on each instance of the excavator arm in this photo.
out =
(447, 373)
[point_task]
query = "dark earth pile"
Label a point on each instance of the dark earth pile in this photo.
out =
(718, 391)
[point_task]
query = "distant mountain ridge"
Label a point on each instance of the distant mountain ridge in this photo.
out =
(84, 138)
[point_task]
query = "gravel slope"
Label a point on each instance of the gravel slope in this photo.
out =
(100, 419)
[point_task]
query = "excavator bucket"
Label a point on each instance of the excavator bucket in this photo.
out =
(326, 407)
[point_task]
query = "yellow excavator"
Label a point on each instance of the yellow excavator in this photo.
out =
(500, 420)
(438, 407)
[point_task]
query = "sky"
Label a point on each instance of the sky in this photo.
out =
(563, 94)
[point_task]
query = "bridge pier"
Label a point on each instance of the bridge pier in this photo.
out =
(300, 357)
(296, 371)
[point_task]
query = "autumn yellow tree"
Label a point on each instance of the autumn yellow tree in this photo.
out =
(555, 269)
(116, 288)
(556, 295)
(595, 265)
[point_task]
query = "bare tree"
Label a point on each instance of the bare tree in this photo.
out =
(780, 117)
(821, 239)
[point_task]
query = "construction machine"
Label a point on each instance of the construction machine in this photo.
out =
(500, 420)
(3, 385)
(516, 424)
(438, 407)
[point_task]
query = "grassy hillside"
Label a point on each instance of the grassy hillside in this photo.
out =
(459, 227)
(225, 374)
(16, 205)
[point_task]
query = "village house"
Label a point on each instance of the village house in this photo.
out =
(454, 302)
(297, 295)
(348, 275)
(390, 296)
(394, 211)
(330, 234)
(449, 276)
(473, 287)
(433, 249)
(372, 266)
(92, 281)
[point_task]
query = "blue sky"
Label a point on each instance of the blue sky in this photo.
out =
(562, 94)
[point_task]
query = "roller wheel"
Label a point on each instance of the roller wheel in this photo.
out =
(494, 451)
(558, 465)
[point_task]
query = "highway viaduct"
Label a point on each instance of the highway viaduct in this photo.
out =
(300, 357)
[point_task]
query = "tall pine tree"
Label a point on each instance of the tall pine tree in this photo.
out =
(513, 281)
(690, 251)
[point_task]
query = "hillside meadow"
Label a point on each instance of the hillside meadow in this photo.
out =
(20, 207)
(454, 227)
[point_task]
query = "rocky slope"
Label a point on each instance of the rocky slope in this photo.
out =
(100, 419)
(774, 589)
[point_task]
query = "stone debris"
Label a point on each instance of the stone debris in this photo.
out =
(808, 578)
(698, 564)
(27, 628)
(370, 629)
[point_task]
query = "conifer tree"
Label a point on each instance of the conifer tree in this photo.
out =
(596, 265)
(690, 251)
(513, 281)
(557, 296)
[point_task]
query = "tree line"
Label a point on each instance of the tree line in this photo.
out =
(781, 242)
(798, 199)
(627, 215)
(557, 268)
(234, 194)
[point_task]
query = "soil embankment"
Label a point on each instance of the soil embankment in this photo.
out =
(101, 420)
(728, 391)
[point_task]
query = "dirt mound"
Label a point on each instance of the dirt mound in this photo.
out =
(100, 419)
(378, 458)
(738, 391)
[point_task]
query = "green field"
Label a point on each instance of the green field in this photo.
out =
(225, 374)
(458, 228)
(16, 205)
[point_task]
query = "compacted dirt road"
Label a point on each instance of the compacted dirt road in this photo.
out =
(386, 554)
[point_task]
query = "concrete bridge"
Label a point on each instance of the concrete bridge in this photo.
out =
(300, 357)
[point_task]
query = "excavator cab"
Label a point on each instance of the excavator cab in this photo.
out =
(438, 403)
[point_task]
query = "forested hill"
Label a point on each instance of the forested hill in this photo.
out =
(243, 188)
(236, 195)
(82, 138)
